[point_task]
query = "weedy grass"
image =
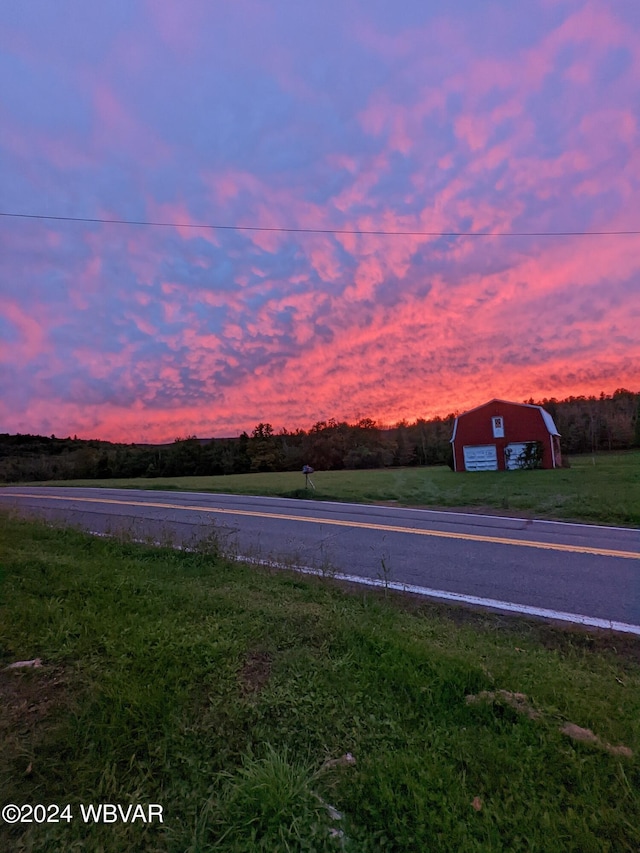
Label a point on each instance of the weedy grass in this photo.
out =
(603, 489)
(233, 697)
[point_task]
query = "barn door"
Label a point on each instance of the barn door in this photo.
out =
(514, 454)
(481, 457)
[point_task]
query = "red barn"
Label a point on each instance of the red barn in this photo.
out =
(499, 436)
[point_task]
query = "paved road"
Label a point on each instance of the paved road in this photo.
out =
(582, 573)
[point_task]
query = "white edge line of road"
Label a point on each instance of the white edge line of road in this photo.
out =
(348, 504)
(426, 592)
(460, 598)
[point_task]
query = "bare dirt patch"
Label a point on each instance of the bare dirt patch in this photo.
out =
(29, 695)
(518, 701)
(587, 736)
(255, 673)
(31, 702)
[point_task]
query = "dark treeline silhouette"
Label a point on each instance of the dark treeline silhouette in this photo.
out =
(586, 424)
(592, 424)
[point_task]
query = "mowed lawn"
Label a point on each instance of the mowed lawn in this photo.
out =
(603, 489)
(273, 712)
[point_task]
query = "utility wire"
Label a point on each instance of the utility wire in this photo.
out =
(323, 230)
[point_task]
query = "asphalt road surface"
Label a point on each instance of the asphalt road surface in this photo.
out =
(574, 572)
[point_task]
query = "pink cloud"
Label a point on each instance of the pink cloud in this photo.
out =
(473, 130)
(31, 334)
(181, 32)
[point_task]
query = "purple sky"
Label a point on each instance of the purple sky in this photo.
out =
(413, 116)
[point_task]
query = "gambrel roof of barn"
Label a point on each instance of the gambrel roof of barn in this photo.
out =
(546, 417)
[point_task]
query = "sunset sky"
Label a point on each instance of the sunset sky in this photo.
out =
(365, 115)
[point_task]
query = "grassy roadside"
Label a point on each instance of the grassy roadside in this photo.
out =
(231, 696)
(604, 489)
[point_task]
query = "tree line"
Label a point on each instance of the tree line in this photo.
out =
(586, 425)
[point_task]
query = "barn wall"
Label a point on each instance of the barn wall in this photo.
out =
(521, 424)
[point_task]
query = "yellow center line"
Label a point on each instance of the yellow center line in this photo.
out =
(366, 525)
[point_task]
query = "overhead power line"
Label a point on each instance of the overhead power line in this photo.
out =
(353, 231)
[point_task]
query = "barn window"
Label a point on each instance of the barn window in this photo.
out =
(498, 427)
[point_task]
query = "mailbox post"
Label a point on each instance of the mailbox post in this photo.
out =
(307, 470)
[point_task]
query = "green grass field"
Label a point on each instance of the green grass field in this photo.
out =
(603, 489)
(230, 696)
